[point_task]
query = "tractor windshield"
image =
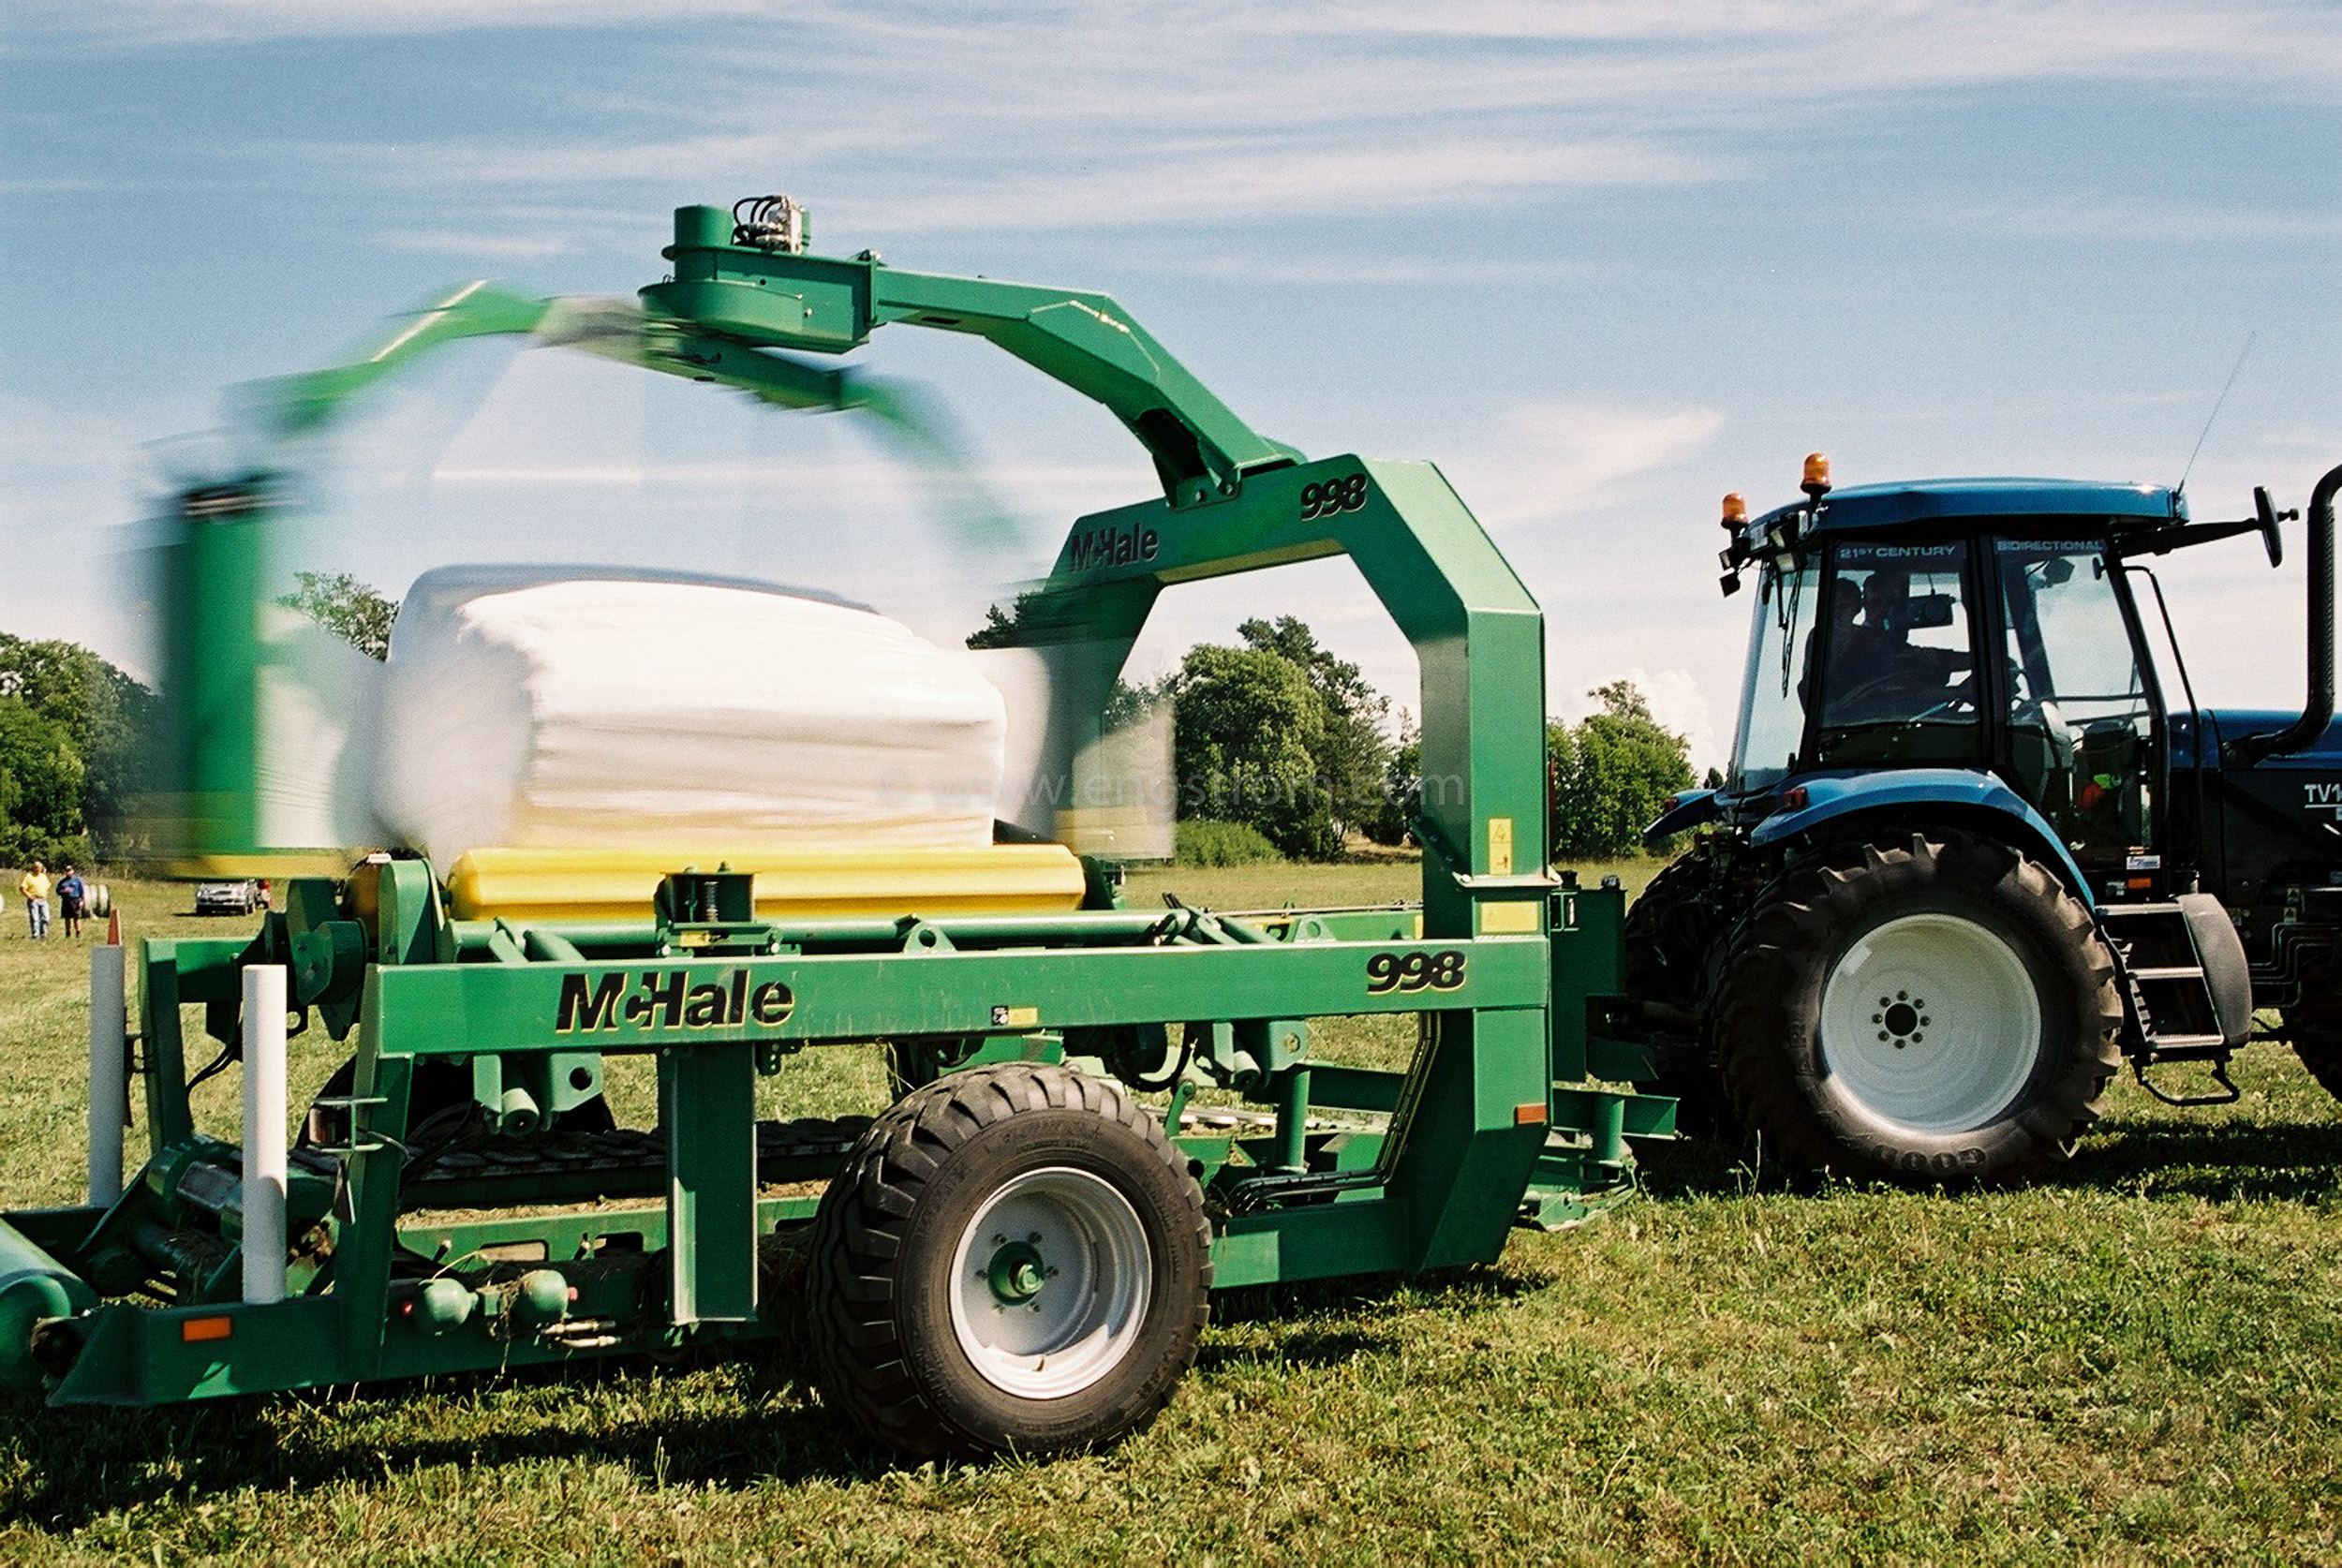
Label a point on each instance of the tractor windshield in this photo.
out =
(1773, 692)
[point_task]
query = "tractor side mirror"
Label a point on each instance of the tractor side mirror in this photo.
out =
(2266, 512)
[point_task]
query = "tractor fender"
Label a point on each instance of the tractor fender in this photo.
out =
(1976, 801)
(1692, 808)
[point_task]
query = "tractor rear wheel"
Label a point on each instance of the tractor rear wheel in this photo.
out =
(2315, 1027)
(1012, 1257)
(1674, 931)
(1941, 1011)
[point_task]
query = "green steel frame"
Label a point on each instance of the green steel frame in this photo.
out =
(1495, 1122)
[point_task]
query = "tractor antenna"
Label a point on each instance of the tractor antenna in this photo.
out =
(2180, 488)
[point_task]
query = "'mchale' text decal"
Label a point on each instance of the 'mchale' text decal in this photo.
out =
(661, 999)
(1112, 546)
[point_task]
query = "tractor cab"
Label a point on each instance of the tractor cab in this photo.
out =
(1980, 625)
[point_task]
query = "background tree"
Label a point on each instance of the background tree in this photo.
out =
(351, 610)
(1611, 773)
(1002, 628)
(1402, 797)
(1246, 725)
(73, 736)
(1352, 752)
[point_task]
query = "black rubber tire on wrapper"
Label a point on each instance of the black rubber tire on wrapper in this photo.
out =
(1941, 1011)
(1673, 930)
(926, 1236)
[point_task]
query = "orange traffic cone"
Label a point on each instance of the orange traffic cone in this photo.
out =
(113, 927)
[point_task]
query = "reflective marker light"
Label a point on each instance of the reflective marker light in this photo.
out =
(195, 1331)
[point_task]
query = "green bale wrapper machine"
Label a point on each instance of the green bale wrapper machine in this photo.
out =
(1018, 1252)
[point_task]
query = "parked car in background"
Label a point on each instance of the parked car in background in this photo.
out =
(243, 897)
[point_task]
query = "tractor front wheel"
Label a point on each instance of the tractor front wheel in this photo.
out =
(1939, 1011)
(1673, 932)
(1013, 1258)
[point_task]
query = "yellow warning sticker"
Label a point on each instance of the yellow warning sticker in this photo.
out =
(1510, 918)
(1015, 1017)
(1500, 846)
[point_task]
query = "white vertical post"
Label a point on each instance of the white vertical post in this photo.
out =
(263, 1132)
(108, 1072)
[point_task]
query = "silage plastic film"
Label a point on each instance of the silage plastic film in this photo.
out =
(618, 711)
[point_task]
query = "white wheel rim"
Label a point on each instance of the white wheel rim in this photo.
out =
(1931, 1022)
(1050, 1283)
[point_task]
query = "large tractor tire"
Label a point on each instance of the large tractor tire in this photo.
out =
(1673, 937)
(1013, 1258)
(1941, 1011)
(2315, 1027)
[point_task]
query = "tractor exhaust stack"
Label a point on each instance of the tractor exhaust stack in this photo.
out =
(2318, 709)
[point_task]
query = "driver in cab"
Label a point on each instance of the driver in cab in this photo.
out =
(1876, 672)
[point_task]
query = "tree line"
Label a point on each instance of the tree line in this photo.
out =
(1279, 744)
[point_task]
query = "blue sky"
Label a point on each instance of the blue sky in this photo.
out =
(1601, 262)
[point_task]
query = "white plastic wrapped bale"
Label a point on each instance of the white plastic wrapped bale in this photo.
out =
(313, 778)
(617, 710)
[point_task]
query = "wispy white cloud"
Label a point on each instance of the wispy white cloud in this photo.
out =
(1806, 48)
(167, 23)
(530, 246)
(1347, 268)
(918, 119)
(1555, 459)
(2163, 220)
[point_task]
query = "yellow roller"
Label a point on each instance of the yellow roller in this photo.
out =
(886, 882)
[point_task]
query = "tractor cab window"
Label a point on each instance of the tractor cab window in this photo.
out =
(1898, 670)
(2080, 728)
(1773, 693)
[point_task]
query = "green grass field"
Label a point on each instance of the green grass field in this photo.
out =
(2141, 1362)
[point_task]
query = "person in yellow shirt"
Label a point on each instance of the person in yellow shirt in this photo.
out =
(34, 885)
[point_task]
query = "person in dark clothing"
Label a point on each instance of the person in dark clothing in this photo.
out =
(72, 900)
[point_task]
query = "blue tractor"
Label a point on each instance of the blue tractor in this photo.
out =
(1978, 847)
